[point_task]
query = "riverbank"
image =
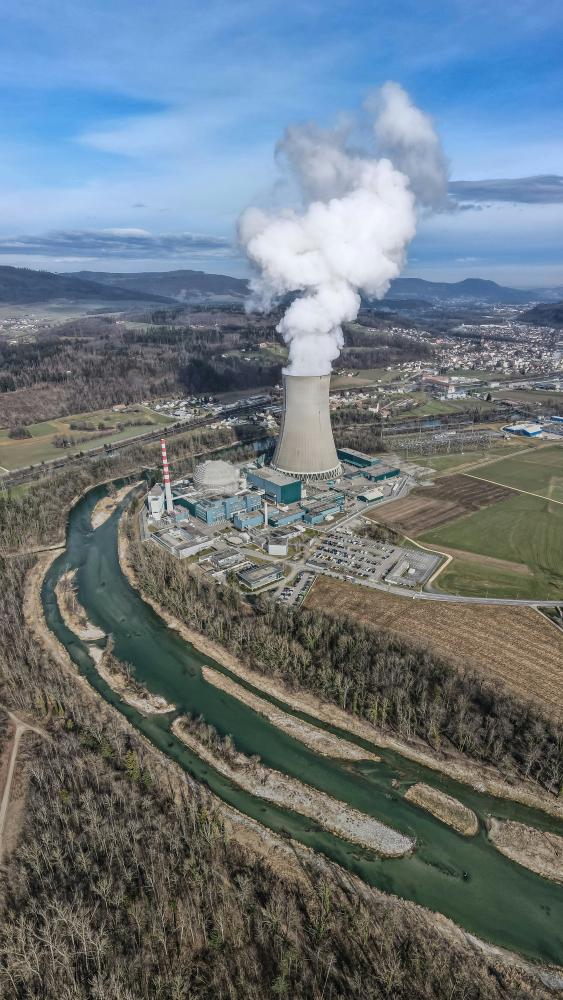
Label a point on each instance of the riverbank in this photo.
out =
(73, 614)
(445, 808)
(337, 817)
(482, 777)
(316, 739)
(109, 668)
(117, 676)
(106, 506)
(538, 850)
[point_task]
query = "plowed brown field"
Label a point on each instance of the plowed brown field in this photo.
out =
(429, 506)
(514, 645)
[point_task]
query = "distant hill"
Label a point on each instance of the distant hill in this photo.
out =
(470, 289)
(22, 286)
(184, 286)
(550, 314)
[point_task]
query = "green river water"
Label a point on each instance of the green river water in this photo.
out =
(464, 878)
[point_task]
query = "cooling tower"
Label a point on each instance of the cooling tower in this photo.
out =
(305, 446)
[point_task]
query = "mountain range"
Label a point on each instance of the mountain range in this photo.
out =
(22, 286)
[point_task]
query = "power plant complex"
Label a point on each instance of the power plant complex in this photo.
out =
(252, 505)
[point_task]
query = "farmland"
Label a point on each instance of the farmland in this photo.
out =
(513, 645)
(521, 530)
(538, 470)
(443, 462)
(84, 429)
(429, 506)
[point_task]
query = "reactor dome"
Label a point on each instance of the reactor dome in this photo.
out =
(216, 477)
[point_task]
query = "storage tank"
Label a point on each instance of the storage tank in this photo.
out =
(305, 447)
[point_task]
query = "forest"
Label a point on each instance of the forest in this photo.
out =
(394, 685)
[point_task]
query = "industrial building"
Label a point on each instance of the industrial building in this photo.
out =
(275, 485)
(524, 430)
(356, 458)
(155, 501)
(182, 542)
(381, 471)
(256, 576)
(305, 448)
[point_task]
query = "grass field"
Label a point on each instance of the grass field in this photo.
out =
(458, 460)
(538, 470)
(16, 453)
(514, 645)
(523, 530)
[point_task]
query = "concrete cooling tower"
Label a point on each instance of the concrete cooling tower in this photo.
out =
(305, 446)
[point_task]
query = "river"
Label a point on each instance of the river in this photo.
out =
(466, 879)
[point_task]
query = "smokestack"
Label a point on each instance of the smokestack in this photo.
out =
(166, 479)
(306, 446)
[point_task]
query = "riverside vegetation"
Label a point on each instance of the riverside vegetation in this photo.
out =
(392, 684)
(126, 883)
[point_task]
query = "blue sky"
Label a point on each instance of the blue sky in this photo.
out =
(133, 133)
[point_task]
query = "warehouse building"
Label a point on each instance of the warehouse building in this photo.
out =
(524, 430)
(276, 485)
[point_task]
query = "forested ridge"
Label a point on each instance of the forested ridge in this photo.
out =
(392, 684)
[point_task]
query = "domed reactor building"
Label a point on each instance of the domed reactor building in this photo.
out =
(305, 447)
(216, 477)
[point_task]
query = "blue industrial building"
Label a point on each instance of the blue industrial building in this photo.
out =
(357, 458)
(280, 518)
(215, 509)
(524, 430)
(380, 472)
(248, 519)
(276, 485)
(317, 511)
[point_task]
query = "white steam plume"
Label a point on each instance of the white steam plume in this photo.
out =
(359, 215)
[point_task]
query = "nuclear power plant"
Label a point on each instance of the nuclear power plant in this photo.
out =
(305, 447)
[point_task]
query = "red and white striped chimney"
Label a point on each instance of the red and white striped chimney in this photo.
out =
(166, 478)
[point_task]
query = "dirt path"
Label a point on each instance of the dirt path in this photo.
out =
(19, 730)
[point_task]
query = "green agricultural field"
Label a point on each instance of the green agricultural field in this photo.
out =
(459, 459)
(524, 533)
(536, 470)
(17, 453)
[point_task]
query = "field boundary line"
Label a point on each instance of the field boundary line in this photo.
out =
(515, 489)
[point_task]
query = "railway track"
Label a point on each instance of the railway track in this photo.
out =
(31, 472)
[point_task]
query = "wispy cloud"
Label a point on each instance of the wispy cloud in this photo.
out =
(543, 189)
(131, 244)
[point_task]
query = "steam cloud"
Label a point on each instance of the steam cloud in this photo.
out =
(359, 215)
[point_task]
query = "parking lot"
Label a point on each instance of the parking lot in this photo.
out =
(359, 559)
